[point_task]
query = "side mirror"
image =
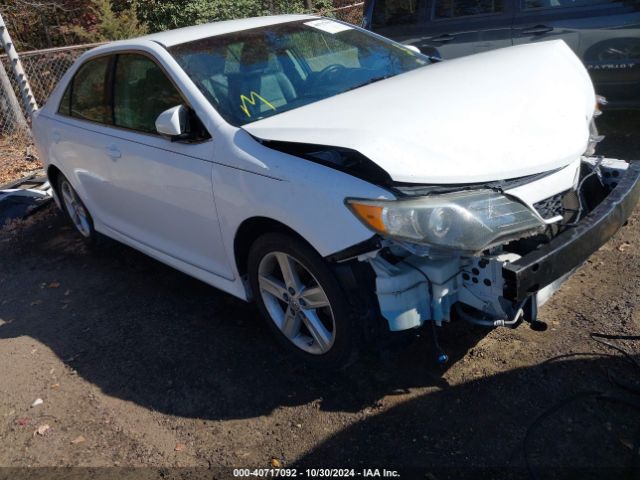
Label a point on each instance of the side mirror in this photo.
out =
(173, 122)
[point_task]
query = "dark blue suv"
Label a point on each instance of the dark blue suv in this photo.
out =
(605, 34)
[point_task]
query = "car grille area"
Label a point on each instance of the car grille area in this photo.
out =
(551, 207)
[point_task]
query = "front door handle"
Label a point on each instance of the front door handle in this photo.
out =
(113, 152)
(537, 30)
(443, 38)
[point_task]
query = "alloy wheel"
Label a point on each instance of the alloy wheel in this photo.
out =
(75, 208)
(296, 303)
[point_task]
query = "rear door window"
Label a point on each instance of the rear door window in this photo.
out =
(88, 93)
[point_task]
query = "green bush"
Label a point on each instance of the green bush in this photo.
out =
(118, 19)
(109, 25)
(167, 14)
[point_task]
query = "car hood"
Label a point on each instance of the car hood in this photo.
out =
(497, 115)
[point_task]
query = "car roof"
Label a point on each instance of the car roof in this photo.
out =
(170, 38)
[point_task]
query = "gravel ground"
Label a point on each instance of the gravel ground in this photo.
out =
(138, 365)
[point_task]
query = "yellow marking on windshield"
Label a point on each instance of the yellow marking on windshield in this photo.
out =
(251, 100)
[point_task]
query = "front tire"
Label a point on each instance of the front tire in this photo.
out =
(76, 211)
(302, 301)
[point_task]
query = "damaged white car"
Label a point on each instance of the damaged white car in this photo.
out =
(350, 185)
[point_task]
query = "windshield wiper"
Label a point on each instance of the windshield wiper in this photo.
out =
(370, 81)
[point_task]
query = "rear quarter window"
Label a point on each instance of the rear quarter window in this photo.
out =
(65, 103)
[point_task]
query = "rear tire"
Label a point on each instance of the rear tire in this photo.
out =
(76, 211)
(302, 301)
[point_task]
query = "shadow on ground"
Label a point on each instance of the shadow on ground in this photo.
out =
(476, 430)
(144, 332)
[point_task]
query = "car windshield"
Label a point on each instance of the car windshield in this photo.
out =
(254, 74)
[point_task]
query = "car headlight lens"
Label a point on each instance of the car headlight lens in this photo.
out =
(470, 221)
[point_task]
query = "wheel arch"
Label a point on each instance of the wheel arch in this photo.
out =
(53, 174)
(249, 230)
(352, 275)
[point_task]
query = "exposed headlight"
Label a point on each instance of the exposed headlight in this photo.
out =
(594, 139)
(469, 221)
(594, 136)
(600, 100)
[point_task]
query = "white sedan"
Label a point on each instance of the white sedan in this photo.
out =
(350, 185)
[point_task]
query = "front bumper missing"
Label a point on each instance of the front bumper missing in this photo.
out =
(571, 248)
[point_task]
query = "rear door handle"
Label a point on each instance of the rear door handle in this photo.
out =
(113, 152)
(537, 30)
(55, 136)
(443, 38)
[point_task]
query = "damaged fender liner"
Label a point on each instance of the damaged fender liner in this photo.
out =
(571, 248)
(356, 250)
(342, 159)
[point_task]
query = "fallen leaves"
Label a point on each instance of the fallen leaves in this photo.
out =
(16, 159)
(42, 430)
(180, 447)
(623, 246)
(275, 463)
(78, 439)
(23, 421)
(54, 285)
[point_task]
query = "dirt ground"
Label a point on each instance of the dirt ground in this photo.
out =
(17, 158)
(138, 365)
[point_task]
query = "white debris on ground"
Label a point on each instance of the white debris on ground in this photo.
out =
(21, 198)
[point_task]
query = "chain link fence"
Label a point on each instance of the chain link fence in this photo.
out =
(44, 68)
(346, 11)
